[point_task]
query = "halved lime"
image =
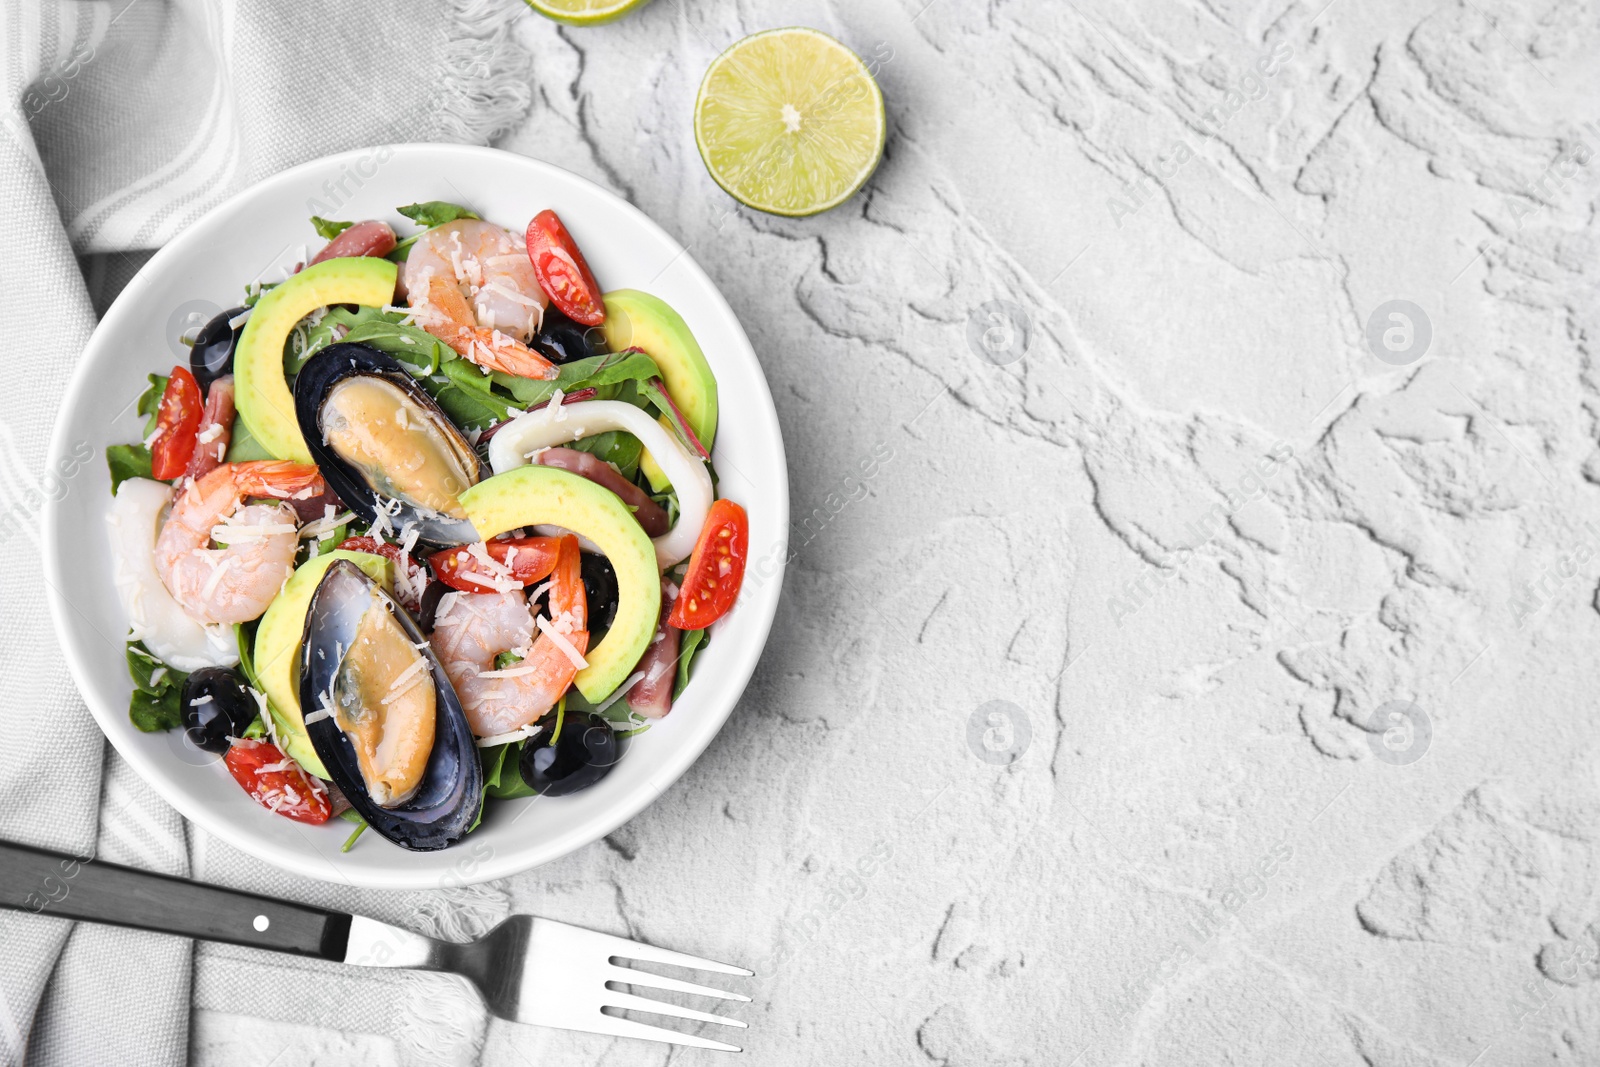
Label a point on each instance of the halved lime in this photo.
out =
(585, 12)
(789, 121)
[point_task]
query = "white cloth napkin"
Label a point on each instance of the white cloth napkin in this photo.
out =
(120, 123)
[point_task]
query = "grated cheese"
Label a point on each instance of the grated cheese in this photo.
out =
(216, 577)
(567, 648)
(529, 730)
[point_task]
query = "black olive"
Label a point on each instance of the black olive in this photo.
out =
(560, 340)
(583, 754)
(600, 595)
(212, 354)
(215, 708)
(428, 608)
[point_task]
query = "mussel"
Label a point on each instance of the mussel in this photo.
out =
(383, 717)
(560, 340)
(383, 444)
(211, 355)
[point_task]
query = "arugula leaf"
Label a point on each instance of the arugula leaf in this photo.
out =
(142, 666)
(243, 446)
(420, 351)
(463, 405)
(436, 213)
(505, 659)
(402, 249)
(127, 461)
(245, 635)
(312, 547)
(157, 691)
(150, 401)
(152, 713)
(352, 815)
(617, 447)
(693, 641)
(467, 395)
(657, 396)
(502, 777)
(328, 229)
(669, 503)
(255, 290)
(594, 372)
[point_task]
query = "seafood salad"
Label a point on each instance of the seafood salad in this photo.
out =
(429, 522)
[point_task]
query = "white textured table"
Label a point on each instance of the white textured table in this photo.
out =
(1180, 664)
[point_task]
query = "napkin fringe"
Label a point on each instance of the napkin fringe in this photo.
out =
(486, 86)
(443, 1022)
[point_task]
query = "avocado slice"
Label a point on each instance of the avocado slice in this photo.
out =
(277, 651)
(262, 395)
(639, 320)
(533, 495)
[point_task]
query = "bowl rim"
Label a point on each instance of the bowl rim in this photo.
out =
(502, 862)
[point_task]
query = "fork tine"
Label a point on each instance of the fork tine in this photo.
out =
(631, 1002)
(629, 976)
(634, 950)
(619, 1027)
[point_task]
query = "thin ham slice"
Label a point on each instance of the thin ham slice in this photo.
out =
(651, 696)
(586, 465)
(216, 428)
(371, 238)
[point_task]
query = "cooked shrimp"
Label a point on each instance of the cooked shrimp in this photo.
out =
(234, 583)
(470, 284)
(153, 616)
(445, 314)
(471, 629)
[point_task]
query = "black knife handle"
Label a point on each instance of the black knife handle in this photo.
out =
(55, 883)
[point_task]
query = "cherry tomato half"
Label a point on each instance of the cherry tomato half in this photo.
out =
(716, 569)
(460, 568)
(287, 790)
(177, 424)
(561, 271)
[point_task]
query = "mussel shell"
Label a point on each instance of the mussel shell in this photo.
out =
(447, 801)
(211, 355)
(561, 340)
(316, 380)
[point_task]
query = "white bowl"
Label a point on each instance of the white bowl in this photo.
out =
(255, 235)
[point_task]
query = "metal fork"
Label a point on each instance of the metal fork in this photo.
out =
(529, 970)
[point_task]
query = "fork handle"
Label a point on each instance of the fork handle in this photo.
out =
(59, 884)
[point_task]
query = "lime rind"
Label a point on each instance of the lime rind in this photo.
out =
(790, 122)
(585, 12)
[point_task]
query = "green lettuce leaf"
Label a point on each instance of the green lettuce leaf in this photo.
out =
(127, 461)
(433, 213)
(501, 778)
(157, 691)
(616, 447)
(243, 446)
(150, 401)
(600, 373)
(420, 351)
(693, 642)
(328, 229)
(467, 395)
